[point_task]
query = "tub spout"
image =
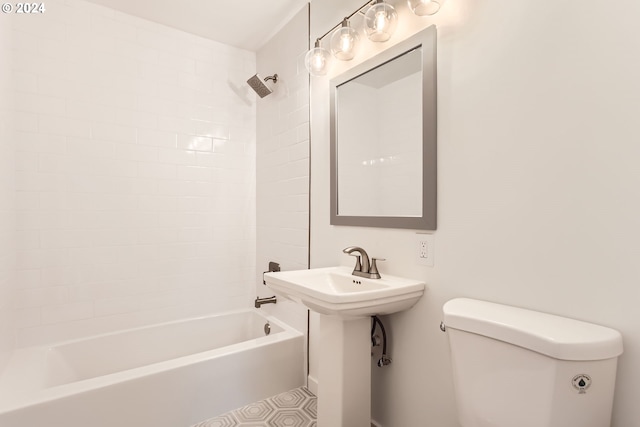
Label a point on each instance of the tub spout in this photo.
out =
(260, 301)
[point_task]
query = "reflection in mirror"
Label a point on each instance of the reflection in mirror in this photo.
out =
(383, 138)
(378, 146)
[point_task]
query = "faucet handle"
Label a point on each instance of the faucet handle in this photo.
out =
(358, 266)
(373, 270)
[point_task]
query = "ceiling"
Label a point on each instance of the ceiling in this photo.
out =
(246, 24)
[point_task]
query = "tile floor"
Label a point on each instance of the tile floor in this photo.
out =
(294, 408)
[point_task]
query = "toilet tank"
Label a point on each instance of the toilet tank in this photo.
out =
(516, 367)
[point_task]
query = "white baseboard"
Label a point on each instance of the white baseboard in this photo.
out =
(312, 384)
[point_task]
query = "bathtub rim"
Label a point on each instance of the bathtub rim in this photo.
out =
(30, 397)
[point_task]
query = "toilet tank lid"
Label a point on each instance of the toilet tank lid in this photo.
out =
(555, 336)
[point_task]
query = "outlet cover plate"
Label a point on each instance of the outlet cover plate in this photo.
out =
(425, 249)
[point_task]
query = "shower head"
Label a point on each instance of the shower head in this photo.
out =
(258, 84)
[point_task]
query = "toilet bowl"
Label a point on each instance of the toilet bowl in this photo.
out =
(516, 367)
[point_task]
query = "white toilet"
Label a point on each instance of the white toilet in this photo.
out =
(515, 367)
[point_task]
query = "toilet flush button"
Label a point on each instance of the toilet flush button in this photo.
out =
(581, 383)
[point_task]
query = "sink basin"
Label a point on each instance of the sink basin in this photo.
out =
(335, 291)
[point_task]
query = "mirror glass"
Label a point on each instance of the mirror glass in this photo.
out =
(383, 139)
(380, 140)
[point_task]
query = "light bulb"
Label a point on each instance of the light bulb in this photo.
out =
(425, 7)
(317, 60)
(380, 21)
(344, 42)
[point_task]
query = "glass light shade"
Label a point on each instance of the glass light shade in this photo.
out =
(344, 42)
(317, 60)
(380, 21)
(425, 7)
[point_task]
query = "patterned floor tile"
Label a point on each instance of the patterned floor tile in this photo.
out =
(290, 418)
(259, 411)
(226, 420)
(294, 408)
(310, 407)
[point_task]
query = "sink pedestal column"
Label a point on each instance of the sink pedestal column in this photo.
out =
(344, 372)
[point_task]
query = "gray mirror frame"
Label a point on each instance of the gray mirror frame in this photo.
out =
(427, 40)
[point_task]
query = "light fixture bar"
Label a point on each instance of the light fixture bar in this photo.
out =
(379, 24)
(347, 17)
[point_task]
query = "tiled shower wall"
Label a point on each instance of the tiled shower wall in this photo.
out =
(134, 173)
(283, 161)
(7, 197)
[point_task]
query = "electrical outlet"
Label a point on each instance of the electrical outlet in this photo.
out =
(425, 247)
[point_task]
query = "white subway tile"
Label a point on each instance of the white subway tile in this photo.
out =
(30, 278)
(111, 97)
(39, 143)
(67, 312)
(112, 132)
(32, 103)
(96, 255)
(27, 317)
(176, 124)
(157, 138)
(156, 40)
(178, 157)
(145, 186)
(57, 125)
(213, 130)
(180, 63)
(195, 143)
(156, 170)
(38, 297)
(111, 306)
(119, 217)
(90, 111)
(25, 122)
(194, 173)
(24, 81)
(24, 41)
(64, 239)
(26, 162)
(86, 147)
(50, 47)
(140, 119)
(27, 239)
(106, 26)
(158, 203)
(27, 202)
(30, 181)
(58, 276)
(133, 50)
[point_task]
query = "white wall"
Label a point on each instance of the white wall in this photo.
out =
(358, 178)
(135, 172)
(399, 182)
(7, 197)
(538, 190)
(282, 159)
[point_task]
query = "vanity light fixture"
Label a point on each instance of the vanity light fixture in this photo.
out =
(344, 41)
(425, 7)
(380, 21)
(317, 60)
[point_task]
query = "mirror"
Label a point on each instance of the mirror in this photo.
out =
(383, 138)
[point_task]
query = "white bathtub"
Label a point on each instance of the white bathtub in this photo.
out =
(169, 375)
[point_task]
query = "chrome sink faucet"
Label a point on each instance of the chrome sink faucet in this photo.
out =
(362, 268)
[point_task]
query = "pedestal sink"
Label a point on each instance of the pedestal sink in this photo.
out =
(345, 303)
